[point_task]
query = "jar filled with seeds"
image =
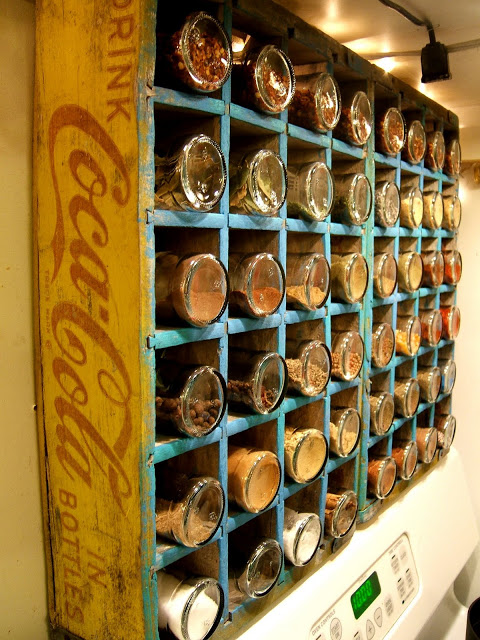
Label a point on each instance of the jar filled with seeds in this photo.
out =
(256, 566)
(433, 268)
(426, 443)
(257, 284)
(257, 381)
(405, 454)
(410, 271)
(340, 512)
(189, 607)
(353, 199)
(308, 281)
(408, 335)
(435, 154)
(316, 104)
(356, 121)
(432, 210)
(382, 409)
(253, 477)
(199, 54)
(452, 213)
(448, 369)
(431, 320)
(387, 203)
(301, 536)
(266, 81)
(453, 158)
(188, 510)
(383, 344)
(453, 266)
(406, 396)
(429, 379)
(309, 365)
(344, 431)
(347, 354)
(192, 288)
(451, 322)
(446, 426)
(384, 274)
(311, 191)
(306, 453)
(191, 399)
(349, 274)
(381, 475)
(415, 144)
(390, 132)
(411, 208)
(192, 176)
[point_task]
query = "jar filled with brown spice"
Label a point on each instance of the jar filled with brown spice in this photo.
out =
(340, 511)
(347, 354)
(349, 274)
(311, 191)
(446, 425)
(415, 143)
(381, 475)
(253, 477)
(353, 199)
(407, 396)
(452, 212)
(453, 266)
(308, 281)
(426, 443)
(390, 132)
(432, 210)
(453, 158)
(433, 268)
(382, 409)
(429, 380)
(309, 366)
(410, 271)
(411, 207)
(257, 284)
(345, 426)
(306, 453)
(387, 203)
(356, 120)
(383, 344)
(405, 454)
(316, 104)
(435, 153)
(384, 274)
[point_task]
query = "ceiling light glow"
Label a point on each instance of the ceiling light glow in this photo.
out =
(387, 64)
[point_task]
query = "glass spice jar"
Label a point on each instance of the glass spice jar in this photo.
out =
(433, 268)
(189, 509)
(451, 322)
(381, 475)
(253, 477)
(384, 274)
(188, 607)
(411, 208)
(308, 281)
(309, 364)
(258, 183)
(431, 320)
(189, 398)
(268, 82)
(192, 176)
(415, 143)
(453, 266)
(193, 288)
(199, 54)
(453, 158)
(383, 344)
(432, 210)
(316, 104)
(340, 512)
(311, 191)
(435, 153)
(406, 396)
(344, 431)
(390, 132)
(257, 284)
(382, 409)
(448, 370)
(446, 426)
(256, 567)
(257, 380)
(387, 203)
(410, 271)
(408, 335)
(429, 380)
(347, 354)
(452, 213)
(426, 443)
(306, 453)
(349, 275)
(405, 454)
(301, 536)
(353, 199)
(356, 120)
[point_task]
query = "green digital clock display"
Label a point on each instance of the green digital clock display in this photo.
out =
(366, 593)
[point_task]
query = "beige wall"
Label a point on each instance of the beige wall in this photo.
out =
(23, 608)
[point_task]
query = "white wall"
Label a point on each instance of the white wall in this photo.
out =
(23, 609)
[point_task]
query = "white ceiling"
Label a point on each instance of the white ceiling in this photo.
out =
(367, 27)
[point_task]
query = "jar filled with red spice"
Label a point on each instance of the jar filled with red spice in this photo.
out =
(451, 322)
(356, 121)
(381, 475)
(427, 438)
(387, 203)
(308, 281)
(384, 274)
(432, 325)
(415, 144)
(390, 132)
(435, 154)
(353, 199)
(453, 266)
(432, 210)
(433, 268)
(411, 208)
(452, 212)
(453, 158)
(405, 454)
(316, 104)
(311, 191)
(383, 344)
(408, 335)
(347, 354)
(257, 284)
(309, 366)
